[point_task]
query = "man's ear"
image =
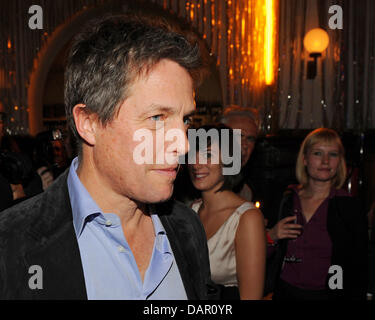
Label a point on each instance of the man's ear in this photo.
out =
(86, 123)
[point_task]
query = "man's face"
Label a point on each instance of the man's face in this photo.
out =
(248, 135)
(164, 94)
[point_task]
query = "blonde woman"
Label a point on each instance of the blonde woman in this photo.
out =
(321, 236)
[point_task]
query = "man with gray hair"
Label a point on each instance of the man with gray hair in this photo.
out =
(246, 119)
(105, 228)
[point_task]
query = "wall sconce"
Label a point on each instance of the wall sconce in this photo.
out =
(315, 42)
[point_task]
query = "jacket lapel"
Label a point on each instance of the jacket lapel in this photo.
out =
(54, 247)
(180, 247)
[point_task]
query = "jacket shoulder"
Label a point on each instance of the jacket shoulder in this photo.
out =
(179, 213)
(20, 215)
(38, 210)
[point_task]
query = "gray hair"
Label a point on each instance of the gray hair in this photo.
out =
(107, 57)
(235, 110)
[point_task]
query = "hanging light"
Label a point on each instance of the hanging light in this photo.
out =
(315, 42)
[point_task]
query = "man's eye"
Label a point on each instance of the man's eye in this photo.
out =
(157, 117)
(188, 121)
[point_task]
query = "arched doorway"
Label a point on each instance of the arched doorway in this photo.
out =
(45, 93)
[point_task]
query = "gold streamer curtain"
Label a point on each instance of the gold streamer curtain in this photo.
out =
(19, 49)
(234, 31)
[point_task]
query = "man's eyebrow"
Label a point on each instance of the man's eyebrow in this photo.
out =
(157, 108)
(163, 109)
(190, 114)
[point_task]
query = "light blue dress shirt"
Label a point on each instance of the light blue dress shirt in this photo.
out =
(109, 266)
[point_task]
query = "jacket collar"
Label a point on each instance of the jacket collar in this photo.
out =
(177, 238)
(54, 247)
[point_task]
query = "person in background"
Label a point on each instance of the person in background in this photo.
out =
(234, 227)
(6, 198)
(50, 156)
(247, 120)
(320, 226)
(18, 179)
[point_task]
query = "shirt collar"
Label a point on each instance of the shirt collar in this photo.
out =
(158, 227)
(161, 243)
(83, 205)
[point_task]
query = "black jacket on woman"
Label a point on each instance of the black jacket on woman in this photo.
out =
(347, 228)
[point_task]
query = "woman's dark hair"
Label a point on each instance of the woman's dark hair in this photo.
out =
(230, 181)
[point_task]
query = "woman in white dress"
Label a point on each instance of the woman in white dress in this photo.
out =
(234, 227)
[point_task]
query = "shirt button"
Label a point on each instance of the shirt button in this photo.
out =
(121, 249)
(108, 223)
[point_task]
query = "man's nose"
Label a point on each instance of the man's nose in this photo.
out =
(182, 145)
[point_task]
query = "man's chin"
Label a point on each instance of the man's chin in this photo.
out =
(159, 197)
